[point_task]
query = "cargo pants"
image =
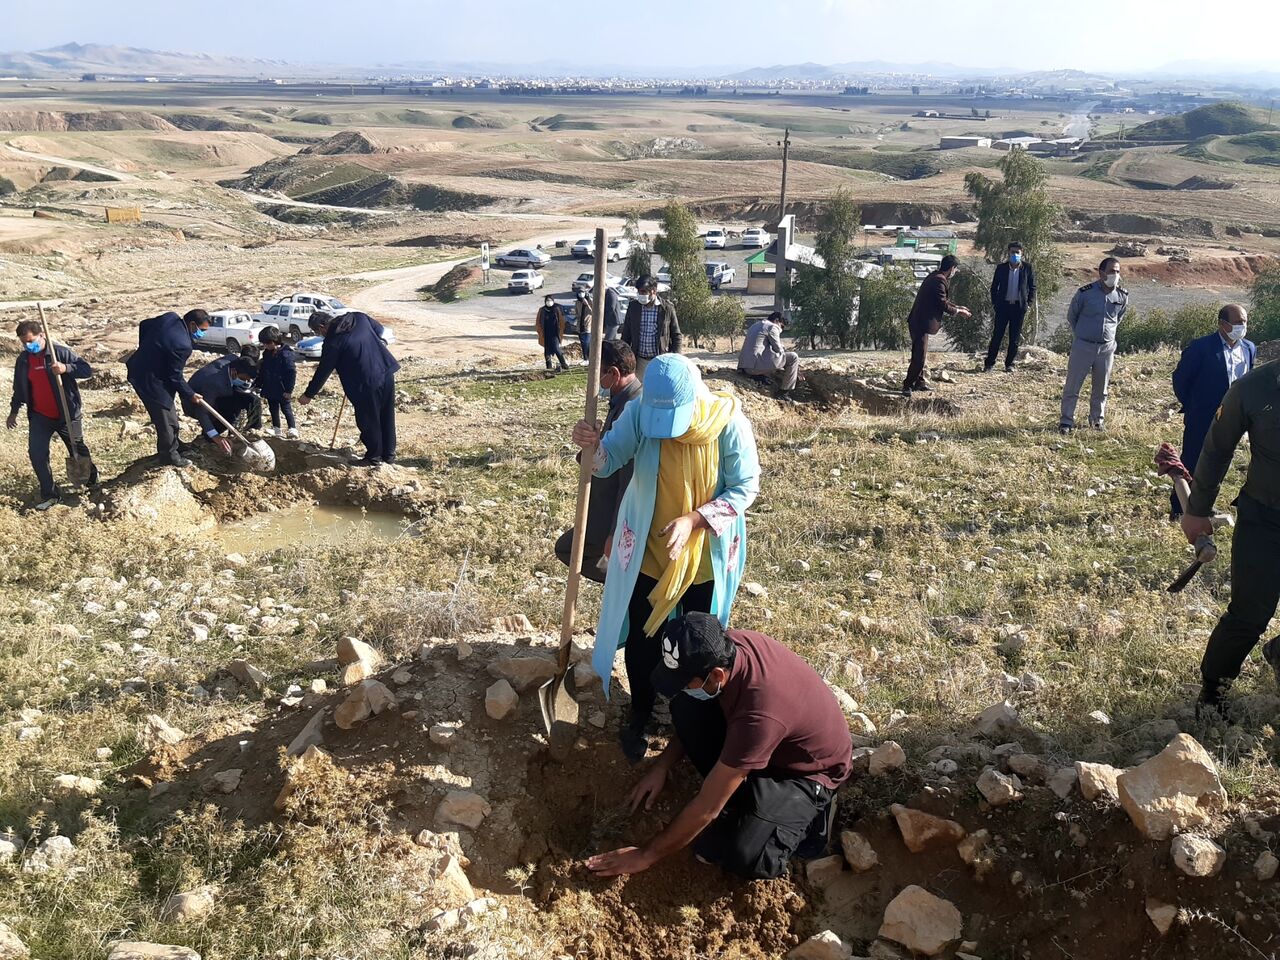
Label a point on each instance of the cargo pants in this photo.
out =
(1088, 359)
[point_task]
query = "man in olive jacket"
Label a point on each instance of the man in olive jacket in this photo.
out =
(650, 327)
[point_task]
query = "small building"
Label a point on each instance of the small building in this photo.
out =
(1016, 143)
(761, 274)
(1062, 147)
(959, 143)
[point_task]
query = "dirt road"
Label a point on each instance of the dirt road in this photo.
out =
(73, 164)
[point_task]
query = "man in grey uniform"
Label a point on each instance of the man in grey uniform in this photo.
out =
(1094, 314)
(764, 355)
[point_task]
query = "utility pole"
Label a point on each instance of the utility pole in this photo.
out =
(785, 144)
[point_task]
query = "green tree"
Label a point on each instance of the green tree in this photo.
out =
(884, 300)
(971, 287)
(640, 260)
(1018, 208)
(681, 247)
(1264, 318)
(825, 296)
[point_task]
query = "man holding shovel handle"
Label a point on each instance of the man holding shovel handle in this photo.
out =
(44, 380)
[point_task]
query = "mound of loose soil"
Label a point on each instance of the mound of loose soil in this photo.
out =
(454, 283)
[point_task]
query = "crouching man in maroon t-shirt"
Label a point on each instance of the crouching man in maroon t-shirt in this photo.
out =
(769, 739)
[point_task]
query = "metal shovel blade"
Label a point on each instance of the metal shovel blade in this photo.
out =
(1185, 577)
(260, 453)
(79, 470)
(559, 714)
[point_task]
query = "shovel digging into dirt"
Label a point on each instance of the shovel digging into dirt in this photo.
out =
(79, 469)
(559, 708)
(258, 454)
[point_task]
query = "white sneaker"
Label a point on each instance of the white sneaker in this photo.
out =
(277, 432)
(44, 505)
(293, 433)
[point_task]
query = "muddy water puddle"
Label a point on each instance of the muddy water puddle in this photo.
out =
(308, 525)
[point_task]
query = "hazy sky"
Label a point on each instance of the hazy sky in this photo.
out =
(1117, 36)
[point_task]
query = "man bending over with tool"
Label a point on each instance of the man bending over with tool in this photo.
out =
(34, 387)
(224, 385)
(767, 736)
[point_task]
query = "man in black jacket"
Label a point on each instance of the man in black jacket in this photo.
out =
(156, 373)
(650, 327)
(354, 349)
(224, 385)
(932, 303)
(1013, 289)
(34, 387)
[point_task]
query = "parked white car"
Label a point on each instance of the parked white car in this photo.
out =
(756, 237)
(584, 248)
(291, 318)
(525, 281)
(715, 239)
(719, 274)
(523, 257)
(619, 248)
(232, 330)
(318, 301)
(587, 281)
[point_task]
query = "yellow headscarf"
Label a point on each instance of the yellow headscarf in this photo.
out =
(688, 473)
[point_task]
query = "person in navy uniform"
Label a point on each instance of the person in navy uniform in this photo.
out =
(156, 373)
(225, 385)
(354, 349)
(1208, 367)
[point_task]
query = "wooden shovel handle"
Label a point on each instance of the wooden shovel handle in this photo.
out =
(62, 392)
(584, 464)
(223, 420)
(342, 407)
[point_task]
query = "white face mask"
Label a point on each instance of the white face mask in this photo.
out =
(1238, 331)
(1111, 281)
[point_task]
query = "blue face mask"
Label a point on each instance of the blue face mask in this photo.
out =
(1015, 258)
(698, 693)
(197, 334)
(240, 384)
(35, 346)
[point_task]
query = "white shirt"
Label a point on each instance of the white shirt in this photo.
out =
(1011, 289)
(1237, 362)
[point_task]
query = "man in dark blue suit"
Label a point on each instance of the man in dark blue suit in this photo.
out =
(354, 349)
(1013, 290)
(224, 385)
(156, 374)
(1208, 367)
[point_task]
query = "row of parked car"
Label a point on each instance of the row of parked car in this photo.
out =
(233, 330)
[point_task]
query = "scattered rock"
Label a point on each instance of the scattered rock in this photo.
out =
(156, 731)
(999, 789)
(443, 734)
(824, 870)
(1098, 780)
(500, 700)
(452, 882)
(70, 787)
(402, 676)
(518, 623)
(1198, 856)
(228, 781)
(358, 660)
(10, 844)
(1174, 791)
(1162, 914)
(137, 950)
(973, 848)
(921, 922)
(1264, 868)
(12, 947)
(463, 808)
(858, 852)
(312, 735)
(861, 725)
(368, 698)
(523, 673)
(52, 854)
(923, 831)
(848, 705)
(247, 674)
(1062, 782)
(755, 589)
(887, 757)
(192, 905)
(997, 719)
(822, 946)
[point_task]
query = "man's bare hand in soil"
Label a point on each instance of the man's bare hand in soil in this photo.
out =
(649, 787)
(585, 435)
(616, 863)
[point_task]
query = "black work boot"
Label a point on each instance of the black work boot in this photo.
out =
(632, 737)
(1271, 654)
(1211, 703)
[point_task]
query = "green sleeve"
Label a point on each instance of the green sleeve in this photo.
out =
(1229, 425)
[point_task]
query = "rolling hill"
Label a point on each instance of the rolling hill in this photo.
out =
(1228, 118)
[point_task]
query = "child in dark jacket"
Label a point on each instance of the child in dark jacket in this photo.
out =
(277, 377)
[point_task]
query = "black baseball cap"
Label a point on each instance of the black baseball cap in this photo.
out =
(692, 646)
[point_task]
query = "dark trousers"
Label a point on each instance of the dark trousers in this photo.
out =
(42, 430)
(591, 555)
(241, 405)
(284, 404)
(919, 351)
(165, 420)
(1255, 591)
(643, 653)
(1008, 316)
(766, 819)
(551, 351)
(376, 420)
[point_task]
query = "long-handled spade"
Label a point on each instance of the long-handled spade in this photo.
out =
(559, 708)
(257, 454)
(79, 469)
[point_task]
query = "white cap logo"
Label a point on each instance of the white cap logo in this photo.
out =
(670, 654)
